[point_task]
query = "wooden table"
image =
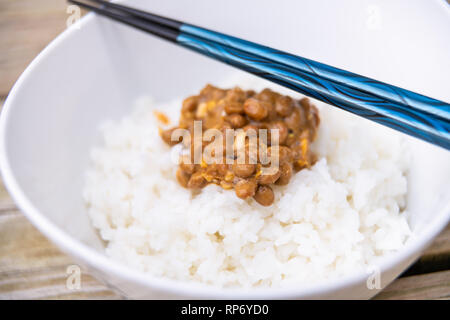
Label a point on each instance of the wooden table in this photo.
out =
(33, 268)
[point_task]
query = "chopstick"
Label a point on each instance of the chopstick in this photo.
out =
(330, 73)
(403, 110)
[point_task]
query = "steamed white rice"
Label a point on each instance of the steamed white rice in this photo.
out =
(336, 218)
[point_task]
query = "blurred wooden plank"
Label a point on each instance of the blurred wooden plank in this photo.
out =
(435, 258)
(440, 246)
(33, 268)
(24, 248)
(425, 286)
(26, 27)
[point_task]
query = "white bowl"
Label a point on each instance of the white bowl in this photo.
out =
(86, 75)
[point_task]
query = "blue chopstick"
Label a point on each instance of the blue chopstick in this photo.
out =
(405, 119)
(417, 115)
(370, 86)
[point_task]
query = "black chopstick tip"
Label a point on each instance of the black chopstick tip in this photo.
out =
(137, 22)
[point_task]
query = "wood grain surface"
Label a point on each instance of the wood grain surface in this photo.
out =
(33, 268)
